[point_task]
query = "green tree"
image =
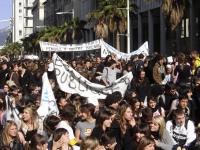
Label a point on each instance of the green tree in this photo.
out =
(110, 16)
(174, 10)
(12, 49)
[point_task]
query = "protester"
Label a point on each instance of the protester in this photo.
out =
(161, 136)
(86, 125)
(181, 130)
(9, 137)
(121, 115)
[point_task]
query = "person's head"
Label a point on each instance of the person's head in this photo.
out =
(4, 65)
(98, 60)
(6, 88)
(181, 58)
(183, 101)
(108, 140)
(112, 100)
(129, 67)
(146, 143)
(104, 119)
(135, 104)
(62, 102)
(158, 125)
(89, 143)
(15, 67)
(141, 56)
(14, 90)
(185, 90)
(130, 94)
(141, 74)
(194, 54)
(160, 59)
(50, 123)
(73, 64)
(126, 115)
(68, 112)
(9, 132)
(152, 102)
(179, 116)
(61, 135)
(29, 114)
(147, 115)
(170, 88)
(112, 64)
(87, 64)
(35, 89)
(141, 131)
(87, 111)
(37, 100)
(77, 101)
(38, 142)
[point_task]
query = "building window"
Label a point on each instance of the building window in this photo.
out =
(20, 32)
(20, 10)
(20, 4)
(20, 18)
(185, 28)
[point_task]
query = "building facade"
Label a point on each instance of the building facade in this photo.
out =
(148, 23)
(151, 25)
(38, 15)
(22, 19)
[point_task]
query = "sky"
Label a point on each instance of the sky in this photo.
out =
(5, 12)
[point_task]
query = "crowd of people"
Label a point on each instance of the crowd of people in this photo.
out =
(159, 111)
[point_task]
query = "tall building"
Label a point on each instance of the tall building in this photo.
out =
(22, 19)
(38, 15)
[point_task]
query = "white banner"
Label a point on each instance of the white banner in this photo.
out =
(106, 49)
(53, 47)
(48, 103)
(71, 81)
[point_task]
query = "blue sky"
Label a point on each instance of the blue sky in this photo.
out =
(5, 12)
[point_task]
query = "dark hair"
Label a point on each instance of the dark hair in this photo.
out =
(169, 86)
(147, 114)
(178, 112)
(140, 56)
(145, 141)
(152, 98)
(143, 128)
(102, 116)
(58, 133)
(111, 62)
(51, 122)
(68, 112)
(107, 138)
(113, 98)
(88, 108)
(37, 139)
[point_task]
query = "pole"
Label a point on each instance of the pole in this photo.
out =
(128, 28)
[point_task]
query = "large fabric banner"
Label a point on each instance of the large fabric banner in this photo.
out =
(48, 103)
(71, 81)
(53, 47)
(105, 48)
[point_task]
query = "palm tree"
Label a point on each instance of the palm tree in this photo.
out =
(12, 49)
(174, 9)
(110, 16)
